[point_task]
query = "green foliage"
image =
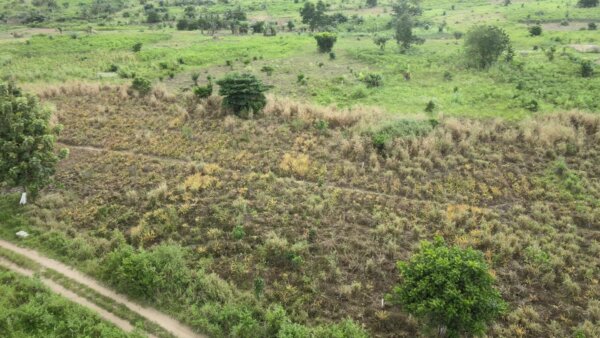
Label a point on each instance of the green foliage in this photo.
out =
(243, 93)
(403, 32)
(144, 274)
(535, 30)
(587, 68)
(28, 309)
(137, 47)
(325, 41)
(430, 107)
(484, 44)
(27, 157)
(401, 128)
(380, 41)
(373, 80)
(203, 92)
(407, 7)
(449, 288)
(592, 26)
(371, 3)
(238, 232)
(142, 85)
(587, 3)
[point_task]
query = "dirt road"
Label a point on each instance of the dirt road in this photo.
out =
(166, 322)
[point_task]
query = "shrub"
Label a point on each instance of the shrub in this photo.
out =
(535, 30)
(267, 69)
(243, 93)
(380, 41)
(141, 85)
(203, 92)
(587, 3)
(331, 55)
(484, 44)
(371, 3)
(592, 26)
(587, 69)
(458, 35)
(137, 47)
(401, 128)
(430, 107)
(325, 41)
(449, 288)
(373, 80)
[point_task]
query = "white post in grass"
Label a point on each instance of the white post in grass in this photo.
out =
(23, 199)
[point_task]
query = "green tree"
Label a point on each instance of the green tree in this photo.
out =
(587, 3)
(449, 288)
(484, 44)
(371, 3)
(403, 32)
(314, 15)
(27, 156)
(407, 7)
(325, 41)
(243, 93)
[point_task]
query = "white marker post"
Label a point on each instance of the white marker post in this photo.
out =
(23, 199)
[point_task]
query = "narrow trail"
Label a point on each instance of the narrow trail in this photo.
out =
(70, 295)
(166, 322)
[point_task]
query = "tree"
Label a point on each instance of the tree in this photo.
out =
(535, 30)
(371, 3)
(325, 41)
(27, 157)
(291, 25)
(484, 44)
(243, 93)
(314, 16)
(587, 3)
(407, 7)
(404, 35)
(449, 288)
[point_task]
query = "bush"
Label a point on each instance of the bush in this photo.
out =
(137, 47)
(587, 69)
(325, 41)
(373, 80)
(243, 93)
(141, 85)
(535, 30)
(380, 41)
(484, 44)
(449, 288)
(401, 128)
(592, 26)
(587, 3)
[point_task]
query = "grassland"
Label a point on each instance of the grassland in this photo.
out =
(291, 223)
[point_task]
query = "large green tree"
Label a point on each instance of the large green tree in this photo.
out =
(450, 289)
(243, 93)
(27, 157)
(484, 44)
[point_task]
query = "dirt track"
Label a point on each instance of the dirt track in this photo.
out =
(166, 322)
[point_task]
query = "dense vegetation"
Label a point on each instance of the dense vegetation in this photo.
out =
(28, 309)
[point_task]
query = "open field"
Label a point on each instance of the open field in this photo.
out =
(291, 223)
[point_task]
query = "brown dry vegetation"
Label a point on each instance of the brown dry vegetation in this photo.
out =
(325, 214)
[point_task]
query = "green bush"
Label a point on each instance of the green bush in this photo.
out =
(535, 30)
(203, 92)
(373, 80)
(401, 128)
(592, 26)
(449, 289)
(484, 45)
(587, 68)
(587, 3)
(243, 93)
(141, 85)
(325, 41)
(137, 47)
